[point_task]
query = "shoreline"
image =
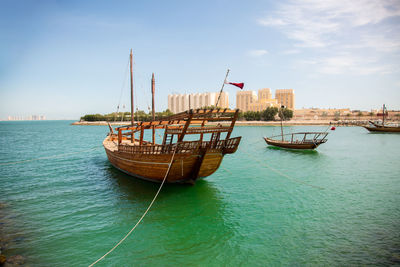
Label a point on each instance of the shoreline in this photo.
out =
(249, 123)
(101, 123)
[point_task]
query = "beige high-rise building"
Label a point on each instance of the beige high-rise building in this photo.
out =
(264, 94)
(249, 101)
(285, 97)
(263, 105)
(264, 100)
(181, 102)
(244, 99)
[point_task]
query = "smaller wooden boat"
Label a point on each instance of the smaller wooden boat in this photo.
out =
(375, 127)
(382, 128)
(301, 140)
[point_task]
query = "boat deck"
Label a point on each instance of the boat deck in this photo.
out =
(186, 147)
(113, 145)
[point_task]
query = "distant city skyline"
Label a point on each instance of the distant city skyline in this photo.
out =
(262, 99)
(27, 118)
(181, 102)
(69, 58)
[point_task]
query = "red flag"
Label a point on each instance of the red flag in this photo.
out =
(240, 85)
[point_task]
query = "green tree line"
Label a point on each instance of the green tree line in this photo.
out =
(268, 114)
(140, 115)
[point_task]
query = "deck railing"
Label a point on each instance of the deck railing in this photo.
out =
(199, 130)
(302, 137)
(186, 147)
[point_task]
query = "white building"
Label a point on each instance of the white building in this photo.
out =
(181, 102)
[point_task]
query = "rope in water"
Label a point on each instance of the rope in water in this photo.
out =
(144, 214)
(49, 157)
(282, 174)
(275, 170)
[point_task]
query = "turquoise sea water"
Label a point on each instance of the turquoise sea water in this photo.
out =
(337, 206)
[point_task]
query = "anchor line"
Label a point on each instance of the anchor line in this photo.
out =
(144, 214)
(284, 175)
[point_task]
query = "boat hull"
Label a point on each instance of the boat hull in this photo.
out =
(289, 145)
(185, 168)
(383, 129)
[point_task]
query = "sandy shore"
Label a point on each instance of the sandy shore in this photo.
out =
(278, 123)
(94, 123)
(245, 123)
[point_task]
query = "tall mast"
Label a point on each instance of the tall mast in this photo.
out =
(383, 115)
(152, 96)
(152, 105)
(281, 122)
(220, 92)
(132, 103)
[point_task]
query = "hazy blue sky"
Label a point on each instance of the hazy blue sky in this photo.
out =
(64, 59)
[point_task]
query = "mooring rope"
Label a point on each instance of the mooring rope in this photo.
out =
(144, 214)
(284, 175)
(49, 157)
(225, 169)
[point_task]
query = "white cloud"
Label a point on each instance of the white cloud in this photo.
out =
(258, 52)
(358, 37)
(397, 83)
(347, 64)
(315, 23)
(291, 52)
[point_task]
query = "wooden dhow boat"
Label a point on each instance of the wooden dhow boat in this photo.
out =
(300, 140)
(382, 128)
(176, 159)
(192, 158)
(375, 127)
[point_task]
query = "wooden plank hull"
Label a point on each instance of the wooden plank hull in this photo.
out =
(285, 144)
(153, 167)
(383, 129)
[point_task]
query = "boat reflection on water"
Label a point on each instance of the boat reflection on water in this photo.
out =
(294, 151)
(184, 220)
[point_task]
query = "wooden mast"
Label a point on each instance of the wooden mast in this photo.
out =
(383, 115)
(220, 92)
(152, 105)
(132, 104)
(281, 122)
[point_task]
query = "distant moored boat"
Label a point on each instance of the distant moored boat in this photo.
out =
(300, 140)
(375, 127)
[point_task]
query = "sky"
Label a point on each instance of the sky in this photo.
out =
(65, 59)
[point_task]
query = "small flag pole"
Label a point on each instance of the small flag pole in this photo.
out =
(222, 88)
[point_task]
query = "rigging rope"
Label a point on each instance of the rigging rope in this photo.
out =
(135, 86)
(138, 81)
(284, 175)
(122, 87)
(138, 85)
(49, 157)
(144, 214)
